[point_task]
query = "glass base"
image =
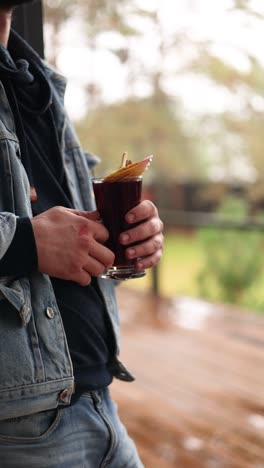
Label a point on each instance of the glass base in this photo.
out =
(122, 273)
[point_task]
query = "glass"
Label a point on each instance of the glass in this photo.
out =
(113, 200)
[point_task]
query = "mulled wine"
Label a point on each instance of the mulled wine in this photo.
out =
(113, 200)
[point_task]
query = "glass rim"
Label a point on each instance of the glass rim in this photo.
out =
(128, 179)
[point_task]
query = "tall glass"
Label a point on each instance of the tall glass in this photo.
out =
(113, 200)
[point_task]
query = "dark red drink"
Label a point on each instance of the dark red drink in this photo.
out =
(114, 199)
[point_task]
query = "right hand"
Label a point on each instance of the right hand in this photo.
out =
(70, 244)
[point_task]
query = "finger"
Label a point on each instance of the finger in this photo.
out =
(101, 234)
(83, 278)
(143, 210)
(93, 267)
(93, 215)
(149, 262)
(142, 232)
(146, 248)
(102, 254)
(94, 228)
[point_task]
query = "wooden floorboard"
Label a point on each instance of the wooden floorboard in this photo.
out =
(198, 398)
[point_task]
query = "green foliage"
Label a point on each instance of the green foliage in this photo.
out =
(233, 259)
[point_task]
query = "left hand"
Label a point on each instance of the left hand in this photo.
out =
(147, 234)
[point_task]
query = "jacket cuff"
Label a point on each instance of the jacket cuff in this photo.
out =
(21, 257)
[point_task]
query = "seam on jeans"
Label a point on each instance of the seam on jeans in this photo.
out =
(98, 405)
(44, 436)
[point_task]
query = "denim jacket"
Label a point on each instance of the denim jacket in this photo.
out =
(36, 371)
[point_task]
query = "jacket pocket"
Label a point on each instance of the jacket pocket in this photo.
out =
(13, 291)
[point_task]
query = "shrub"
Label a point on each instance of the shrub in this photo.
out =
(233, 258)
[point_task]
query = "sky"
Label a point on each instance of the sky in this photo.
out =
(231, 35)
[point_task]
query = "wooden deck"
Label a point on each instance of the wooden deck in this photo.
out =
(198, 398)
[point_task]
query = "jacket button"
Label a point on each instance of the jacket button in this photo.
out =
(64, 395)
(50, 313)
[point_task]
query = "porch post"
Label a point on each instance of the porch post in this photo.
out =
(28, 22)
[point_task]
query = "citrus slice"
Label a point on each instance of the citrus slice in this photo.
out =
(131, 170)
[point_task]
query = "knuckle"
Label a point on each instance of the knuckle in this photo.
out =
(84, 242)
(151, 206)
(58, 209)
(152, 225)
(157, 243)
(150, 263)
(148, 203)
(159, 255)
(55, 208)
(83, 226)
(161, 241)
(56, 212)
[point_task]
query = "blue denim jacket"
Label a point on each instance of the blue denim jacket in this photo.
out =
(36, 371)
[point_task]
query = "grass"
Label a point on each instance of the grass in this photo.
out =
(181, 263)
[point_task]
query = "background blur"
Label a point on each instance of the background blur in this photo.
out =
(183, 80)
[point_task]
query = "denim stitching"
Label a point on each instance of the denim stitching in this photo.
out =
(44, 436)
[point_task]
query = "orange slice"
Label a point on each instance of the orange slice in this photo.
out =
(131, 170)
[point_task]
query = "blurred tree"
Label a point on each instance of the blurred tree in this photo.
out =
(237, 133)
(141, 128)
(230, 143)
(98, 16)
(227, 144)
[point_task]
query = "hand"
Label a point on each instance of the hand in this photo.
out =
(70, 244)
(148, 235)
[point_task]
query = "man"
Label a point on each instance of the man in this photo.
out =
(59, 333)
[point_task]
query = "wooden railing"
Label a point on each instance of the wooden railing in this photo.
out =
(175, 218)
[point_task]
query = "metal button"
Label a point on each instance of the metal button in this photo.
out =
(50, 313)
(64, 395)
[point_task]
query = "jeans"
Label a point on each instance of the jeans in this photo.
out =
(87, 434)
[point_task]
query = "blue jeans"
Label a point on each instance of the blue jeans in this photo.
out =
(87, 434)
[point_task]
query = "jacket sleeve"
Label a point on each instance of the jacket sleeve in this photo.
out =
(21, 255)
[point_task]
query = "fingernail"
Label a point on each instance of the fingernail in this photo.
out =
(124, 238)
(131, 252)
(131, 218)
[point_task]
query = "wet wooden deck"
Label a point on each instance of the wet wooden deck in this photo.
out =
(198, 398)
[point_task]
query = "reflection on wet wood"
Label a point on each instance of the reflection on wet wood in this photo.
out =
(198, 400)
